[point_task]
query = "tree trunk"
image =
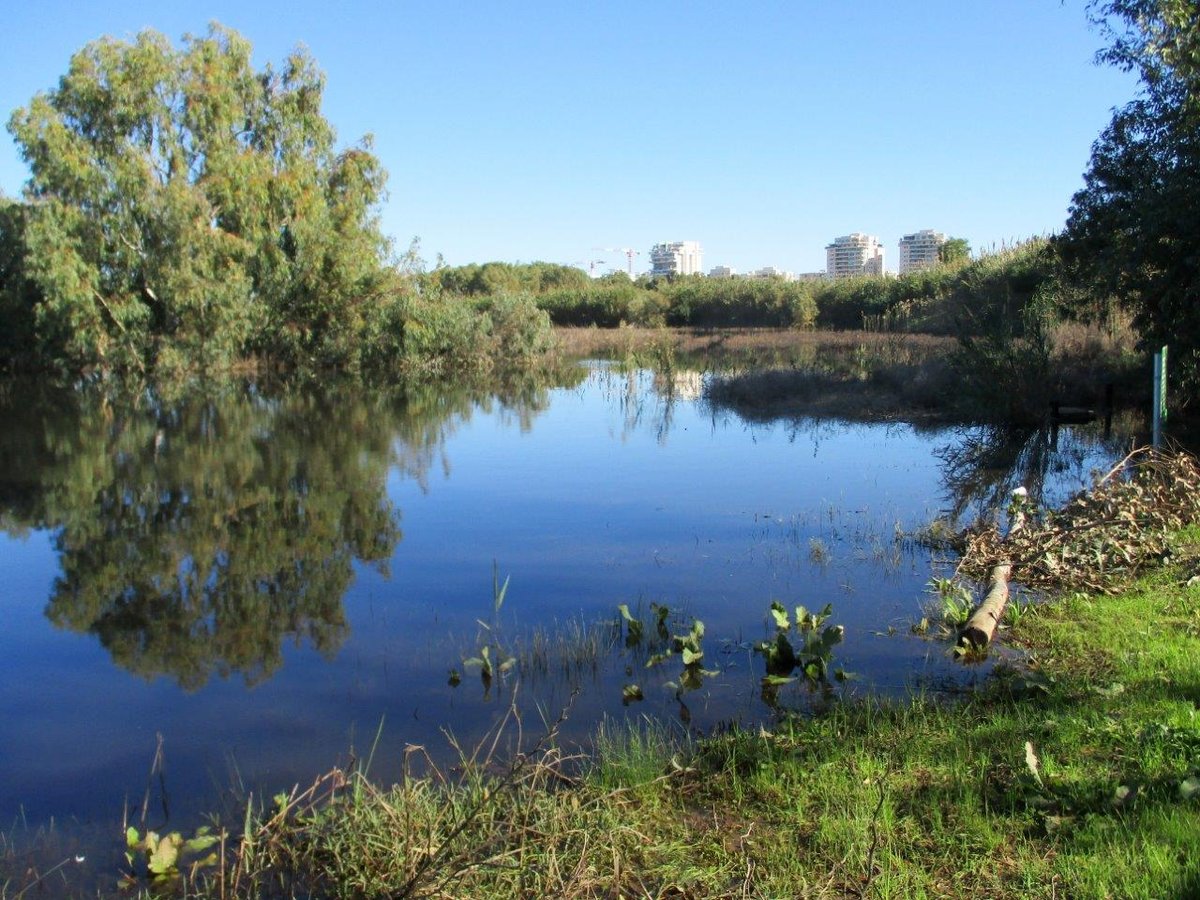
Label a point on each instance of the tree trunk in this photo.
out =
(981, 627)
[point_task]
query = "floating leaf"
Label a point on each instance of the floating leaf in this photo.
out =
(780, 615)
(201, 841)
(164, 853)
(691, 657)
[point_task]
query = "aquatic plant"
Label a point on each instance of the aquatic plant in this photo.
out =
(162, 857)
(954, 602)
(503, 661)
(689, 648)
(810, 656)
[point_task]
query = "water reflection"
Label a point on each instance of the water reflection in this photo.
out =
(984, 464)
(199, 533)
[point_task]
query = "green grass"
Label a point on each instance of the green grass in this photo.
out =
(1066, 778)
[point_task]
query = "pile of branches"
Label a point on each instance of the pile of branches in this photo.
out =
(1102, 537)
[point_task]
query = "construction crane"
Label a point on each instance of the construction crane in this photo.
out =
(629, 252)
(591, 264)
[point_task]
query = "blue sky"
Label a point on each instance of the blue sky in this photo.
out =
(542, 130)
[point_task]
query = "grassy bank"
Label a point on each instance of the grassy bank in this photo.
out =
(1073, 774)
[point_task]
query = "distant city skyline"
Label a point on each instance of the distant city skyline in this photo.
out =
(540, 130)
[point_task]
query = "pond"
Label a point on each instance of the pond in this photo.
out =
(257, 583)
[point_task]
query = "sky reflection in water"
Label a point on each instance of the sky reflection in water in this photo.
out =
(263, 579)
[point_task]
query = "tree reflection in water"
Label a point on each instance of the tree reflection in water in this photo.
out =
(199, 531)
(983, 464)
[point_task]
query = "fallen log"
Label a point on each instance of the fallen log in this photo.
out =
(981, 627)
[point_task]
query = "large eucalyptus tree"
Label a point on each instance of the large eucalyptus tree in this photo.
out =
(185, 210)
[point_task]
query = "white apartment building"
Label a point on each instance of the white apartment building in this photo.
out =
(920, 250)
(854, 254)
(773, 272)
(722, 272)
(678, 258)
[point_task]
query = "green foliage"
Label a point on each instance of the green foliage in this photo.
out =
(1006, 307)
(955, 602)
(185, 211)
(165, 856)
(606, 304)
(811, 656)
(1131, 228)
(432, 334)
(18, 294)
(497, 277)
(689, 647)
(954, 251)
(710, 303)
(184, 208)
(938, 300)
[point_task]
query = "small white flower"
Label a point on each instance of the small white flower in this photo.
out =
(1020, 493)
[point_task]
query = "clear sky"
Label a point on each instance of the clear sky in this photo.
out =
(524, 131)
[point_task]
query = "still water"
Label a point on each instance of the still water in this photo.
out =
(265, 580)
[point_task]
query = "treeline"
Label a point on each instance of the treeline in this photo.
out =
(188, 213)
(970, 294)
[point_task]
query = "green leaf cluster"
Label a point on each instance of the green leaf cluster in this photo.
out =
(1132, 227)
(185, 210)
(163, 854)
(811, 656)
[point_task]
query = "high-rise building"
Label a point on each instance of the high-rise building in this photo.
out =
(678, 258)
(773, 272)
(854, 254)
(920, 250)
